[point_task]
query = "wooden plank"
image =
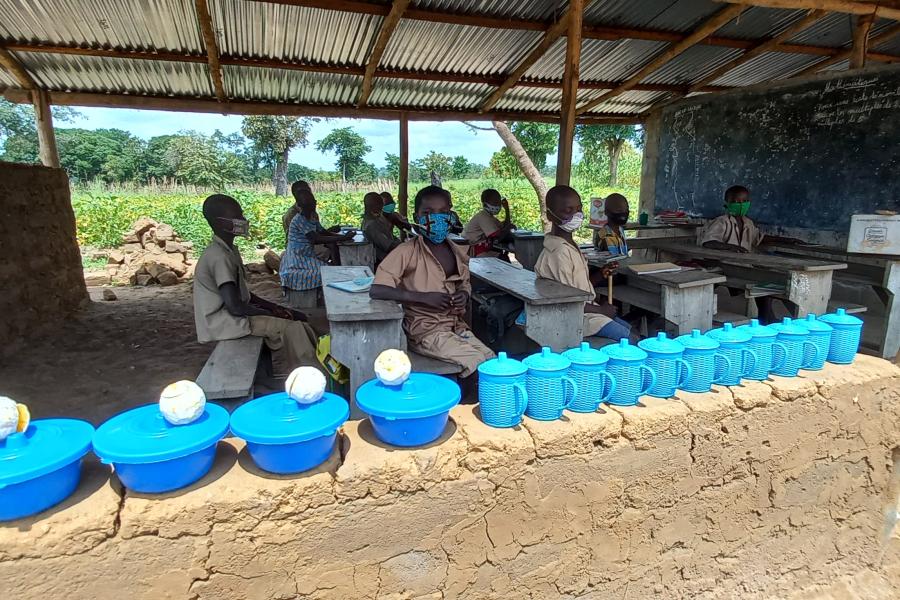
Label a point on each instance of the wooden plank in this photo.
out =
(231, 368)
(348, 306)
(524, 284)
(774, 263)
(559, 326)
(844, 55)
(356, 344)
(15, 68)
(722, 317)
(681, 279)
(688, 308)
(849, 307)
(861, 41)
(527, 248)
(628, 294)
(570, 93)
(384, 35)
(810, 291)
(212, 48)
(357, 254)
(43, 117)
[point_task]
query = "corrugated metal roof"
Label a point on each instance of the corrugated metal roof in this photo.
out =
(632, 101)
(766, 67)
(428, 94)
(759, 22)
(616, 61)
(835, 30)
(692, 65)
(297, 87)
(7, 80)
(538, 10)
(670, 15)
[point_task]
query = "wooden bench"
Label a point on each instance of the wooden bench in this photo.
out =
(554, 313)
(849, 307)
(722, 317)
(230, 370)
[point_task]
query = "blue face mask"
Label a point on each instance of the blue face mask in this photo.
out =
(389, 208)
(436, 225)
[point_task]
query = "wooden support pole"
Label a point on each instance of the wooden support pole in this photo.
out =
(403, 194)
(44, 121)
(11, 64)
(861, 41)
(570, 93)
(708, 27)
(853, 7)
(878, 39)
(212, 48)
(384, 36)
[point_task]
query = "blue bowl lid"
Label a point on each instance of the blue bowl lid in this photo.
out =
(502, 366)
(279, 419)
(547, 360)
(813, 324)
(697, 341)
(729, 334)
(789, 327)
(585, 355)
(47, 445)
(141, 435)
(422, 395)
(624, 351)
(661, 345)
(840, 318)
(758, 330)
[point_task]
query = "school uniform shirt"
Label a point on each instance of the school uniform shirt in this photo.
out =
(219, 264)
(610, 240)
(300, 266)
(482, 225)
(725, 229)
(563, 262)
(380, 232)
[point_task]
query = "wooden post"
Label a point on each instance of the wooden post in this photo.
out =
(403, 194)
(861, 41)
(570, 93)
(44, 121)
(388, 25)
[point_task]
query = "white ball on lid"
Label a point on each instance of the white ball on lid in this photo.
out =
(182, 402)
(305, 385)
(9, 417)
(392, 367)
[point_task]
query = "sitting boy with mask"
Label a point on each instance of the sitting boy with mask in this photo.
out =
(734, 231)
(611, 237)
(484, 227)
(429, 276)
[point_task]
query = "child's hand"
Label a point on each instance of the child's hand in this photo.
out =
(438, 300)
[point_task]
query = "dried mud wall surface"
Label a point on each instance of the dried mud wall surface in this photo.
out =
(40, 264)
(754, 492)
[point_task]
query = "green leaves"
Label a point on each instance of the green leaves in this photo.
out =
(350, 148)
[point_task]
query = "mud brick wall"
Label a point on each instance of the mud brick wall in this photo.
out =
(747, 492)
(40, 264)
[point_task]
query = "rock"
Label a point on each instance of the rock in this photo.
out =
(154, 249)
(142, 279)
(94, 278)
(272, 260)
(130, 238)
(149, 238)
(131, 248)
(165, 232)
(188, 245)
(97, 254)
(109, 295)
(175, 247)
(156, 264)
(167, 278)
(141, 226)
(260, 268)
(115, 257)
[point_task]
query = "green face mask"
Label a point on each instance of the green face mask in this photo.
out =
(738, 209)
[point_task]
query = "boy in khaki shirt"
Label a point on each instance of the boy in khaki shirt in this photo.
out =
(484, 227)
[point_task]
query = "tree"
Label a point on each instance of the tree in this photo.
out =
(350, 148)
(273, 137)
(610, 139)
(504, 164)
(460, 168)
(527, 166)
(538, 139)
(199, 160)
(18, 134)
(436, 162)
(392, 166)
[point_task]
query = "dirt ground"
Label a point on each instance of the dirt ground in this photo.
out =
(115, 355)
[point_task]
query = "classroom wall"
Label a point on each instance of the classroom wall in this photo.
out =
(755, 491)
(40, 264)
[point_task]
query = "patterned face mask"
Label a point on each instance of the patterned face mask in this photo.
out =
(492, 209)
(239, 227)
(436, 226)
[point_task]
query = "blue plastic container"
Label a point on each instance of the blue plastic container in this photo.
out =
(151, 456)
(286, 437)
(41, 466)
(708, 365)
(734, 345)
(413, 413)
(665, 358)
(820, 335)
(593, 382)
(550, 389)
(633, 377)
(801, 353)
(845, 336)
(770, 354)
(502, 397)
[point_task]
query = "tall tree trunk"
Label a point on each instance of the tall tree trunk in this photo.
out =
(526, 165)
(615, 150)
(279, 177)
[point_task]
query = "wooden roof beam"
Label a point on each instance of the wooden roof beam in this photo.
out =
(853, 7)
(873, 41)
(705, 29)
(212, 48)
(11, 64)
(384, 35)
(861, 41)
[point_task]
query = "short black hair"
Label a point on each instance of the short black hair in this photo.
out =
(490, 194)
(215, 205)
(734, 191)
(430, 190)
(299, 185)
(557, 194)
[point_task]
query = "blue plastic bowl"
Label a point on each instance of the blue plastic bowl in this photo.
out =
(30, 497)
(166, 475)
(286, 459)
(409, 432)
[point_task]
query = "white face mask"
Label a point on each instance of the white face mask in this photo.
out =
(492, 210)
(574, 222)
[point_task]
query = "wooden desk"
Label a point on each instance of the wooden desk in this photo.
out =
(527, 246)
(554, 313)
(807, 282)
(357, 253)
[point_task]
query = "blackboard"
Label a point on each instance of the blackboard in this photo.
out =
(812, 154)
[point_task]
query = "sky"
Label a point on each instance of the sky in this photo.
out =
(450, 138)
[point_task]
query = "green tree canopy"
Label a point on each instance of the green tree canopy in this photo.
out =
(273, 137)
(350, 148)
(437, 162)
(539, 140)
(392, 166)
(597, 140)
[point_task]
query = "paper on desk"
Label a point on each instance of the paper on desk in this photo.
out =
(652, 268)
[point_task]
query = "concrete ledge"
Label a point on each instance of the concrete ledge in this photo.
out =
(753, 491)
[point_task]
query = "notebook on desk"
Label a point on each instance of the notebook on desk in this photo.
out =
(653, 268)
(360, 284)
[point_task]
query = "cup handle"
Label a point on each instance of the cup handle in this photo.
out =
(686, 371)
(521, 398)
(652, 373)
(723, 373)
(610, 388)
(784, 354)
(815, 354)
(754, 359)
(571, 397)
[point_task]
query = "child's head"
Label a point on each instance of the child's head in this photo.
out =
(373, 203)
(491, 200)
(224, 215)
(432, 200)
(563, 203)
(737, 200)
(616, 209)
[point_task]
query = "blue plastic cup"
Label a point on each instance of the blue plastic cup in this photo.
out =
(502, 396)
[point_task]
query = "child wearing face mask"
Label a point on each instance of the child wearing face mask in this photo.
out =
(734, 231)
(484, 227)
(611, 238)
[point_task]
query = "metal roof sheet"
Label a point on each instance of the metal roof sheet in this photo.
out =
(760, 22)
(670, 15)
(767, 67)
(539, 10)
(692, 64)
(297, 87)
(616, 61)
(428, 94)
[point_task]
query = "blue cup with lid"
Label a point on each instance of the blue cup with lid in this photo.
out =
(733, 344)
(284, 436)
(820, 334)
(593, 382)
(627, 364)
(550, 389)
(770, 354)
(666, 358)
(708, 365)
(413, 413)
(41, 466)
(150, 455)
(801, 352)
(845, 336)
(502, 397)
